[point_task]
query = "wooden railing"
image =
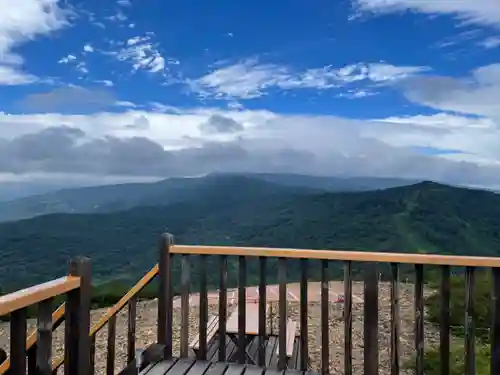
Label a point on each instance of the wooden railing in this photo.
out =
(80, 337)
(371, 302)
(35, 354)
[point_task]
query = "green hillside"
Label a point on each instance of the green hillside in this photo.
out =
(425, 217)
(109, 198)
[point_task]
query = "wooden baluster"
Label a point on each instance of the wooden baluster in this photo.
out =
(419, 318)
(371, 320)
(44, 338)
(242, 281)
(395, 319)
(165, 294)
(77, 319)
(202, 352)
(185, 280)
(348, 318)
(470, 337)
(304, 301)
(444, 321)
(282, 307)
(262, 310)
(110, 358)
(325, 332)
(222, 307)
(18, 342)
(131, 325)
(495, 324)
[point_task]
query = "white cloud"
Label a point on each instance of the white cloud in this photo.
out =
(21, 22)
(491, 42)
(267, 141)
(143, 54)
(67, 59)
(248, 79)
(483, 12)
(88, 48)
(475, 95)
(12, 76)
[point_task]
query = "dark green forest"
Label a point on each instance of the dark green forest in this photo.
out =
(425, 217)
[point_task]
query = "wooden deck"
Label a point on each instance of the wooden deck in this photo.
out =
(191, 366)
(270, 344)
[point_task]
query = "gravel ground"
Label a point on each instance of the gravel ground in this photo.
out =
(146, 331)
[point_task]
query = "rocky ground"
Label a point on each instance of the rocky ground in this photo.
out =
(146, 331)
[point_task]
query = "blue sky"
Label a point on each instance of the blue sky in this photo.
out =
(150, 88)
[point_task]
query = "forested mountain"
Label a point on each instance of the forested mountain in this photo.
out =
(109, 198)
(425, 217)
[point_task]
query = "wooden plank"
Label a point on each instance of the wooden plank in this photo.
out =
(77, 339)
(131, 324)
(235, 369)
(181, 367)
(395, 319)
(203, 315)
(495, 323)
(304, 301)
(262, 311)
(251, 322)
(222, 307)
(293, 361)
(199, 367)
(18, 342)
(165, 292)
(444, 321)
(44, 341)
(32, 295)
(253, 370)
(347, 319)
(282, 359)
(110, 354)
(291, 327)
(325, 305)
(242, 318)
(213, 351)
(371, 320)
(212, 326)
(160, 368)
(218, 368)
(470, 350)
(419, 318)
(271, 350)
(185, 281)
(341, 255)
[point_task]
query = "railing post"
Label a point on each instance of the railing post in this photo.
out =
(77, 329)
(165, 294)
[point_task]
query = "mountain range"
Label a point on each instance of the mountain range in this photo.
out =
(248, 211)
(110, 198)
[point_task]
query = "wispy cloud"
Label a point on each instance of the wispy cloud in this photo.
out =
(143, 54)
(491, 42)
(249, 79)
(24, 21)
(482, 12)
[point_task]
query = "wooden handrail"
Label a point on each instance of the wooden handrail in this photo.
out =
(112, 311)
(56, 316)
(339, 255)
(32, 295)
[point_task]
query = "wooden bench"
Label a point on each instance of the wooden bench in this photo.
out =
(212, 327)
(291, 328)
